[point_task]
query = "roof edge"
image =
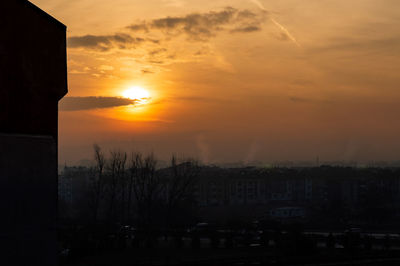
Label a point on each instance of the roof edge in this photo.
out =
(44, 13)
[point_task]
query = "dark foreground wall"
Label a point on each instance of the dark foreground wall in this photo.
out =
(33, 78)
(33, 69)
(28, 193)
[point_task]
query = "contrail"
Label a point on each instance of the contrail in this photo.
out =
(280, 26)
(259, 4)
(285, 31)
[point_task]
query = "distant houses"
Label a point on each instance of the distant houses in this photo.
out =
(302, 194)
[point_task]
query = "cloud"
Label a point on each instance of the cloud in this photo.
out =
(103, 42)
(283, 29)
(92, 102)
(106, 68)
(139, 27)
(246, 29)
(202, 26)
(281, 36)
(258, 3)
(196, 26)
(146, 71)
(157, 51)
(154, 42)
(384, 45)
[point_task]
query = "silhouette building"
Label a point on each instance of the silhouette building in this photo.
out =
(33, 78)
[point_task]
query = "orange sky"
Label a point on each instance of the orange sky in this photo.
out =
(237, 80)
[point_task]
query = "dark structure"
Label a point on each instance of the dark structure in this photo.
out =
(33, 78)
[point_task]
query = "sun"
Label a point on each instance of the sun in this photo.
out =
(137, 93)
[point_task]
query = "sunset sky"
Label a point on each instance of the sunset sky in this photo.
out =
(238, 80)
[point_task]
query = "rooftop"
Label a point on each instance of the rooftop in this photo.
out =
(40, 12)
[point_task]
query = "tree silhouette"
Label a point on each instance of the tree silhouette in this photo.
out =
(179, 187)
(98, 182)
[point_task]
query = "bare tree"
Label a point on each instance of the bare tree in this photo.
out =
(179, 186)
(116, 171)
(98, 182)
(123, 182)
(147, 188)
(134, 166)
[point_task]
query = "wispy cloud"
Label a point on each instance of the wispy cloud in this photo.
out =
(283, 29)
(258, 3)
(174, 3)
(199, 99)
(146, 71)
(196, 26)
(92, 102)
(389, 45)
(201, 26)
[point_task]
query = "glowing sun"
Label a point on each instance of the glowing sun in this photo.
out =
(137, 93)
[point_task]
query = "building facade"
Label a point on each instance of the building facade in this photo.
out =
(33, 78)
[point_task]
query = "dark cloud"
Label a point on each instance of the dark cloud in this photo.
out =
(157, 51)
(246, 14)
(245, 29)
(103, 42)
(153, 41)
(91, 102)
(200, 26)
(146, 71)
(139, 27)
(196, 26)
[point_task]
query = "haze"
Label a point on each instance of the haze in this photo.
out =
(232, 80)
